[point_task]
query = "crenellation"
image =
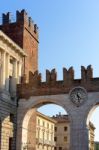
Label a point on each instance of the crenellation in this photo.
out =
(34, 78)
(53, 77)
(28, 22)
(6, 18)
(35, 28)
(86, 74)
(23, 18)
(89, 72)
(54, 86)
(68, 76)
(48, 77)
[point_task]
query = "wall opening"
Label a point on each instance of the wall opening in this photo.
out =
(43, 125)
(93, 125)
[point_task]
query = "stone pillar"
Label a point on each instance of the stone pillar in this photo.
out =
(15, 68)
(79, 134)
(19, 66)
(14, 79)
(3, 69)
(7, 71)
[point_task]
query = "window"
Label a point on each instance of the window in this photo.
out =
(55, 129)
(38, 121)
(52, 127)
(43, 123)
(47, 125)
(12, 118)
(10, 83)
(55, 148)
(55, 139)
(65, 128)
(10, 143)
(65, 138)
(60, 148)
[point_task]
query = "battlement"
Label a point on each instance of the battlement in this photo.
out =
(22, 18)
(36, 86)
(68, 76)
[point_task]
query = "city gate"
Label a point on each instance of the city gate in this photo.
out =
(79, 97)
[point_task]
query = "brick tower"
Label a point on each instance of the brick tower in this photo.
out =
(25, 33)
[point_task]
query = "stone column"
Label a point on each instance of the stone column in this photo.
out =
(3, 69)
(15, 68)
(19, 71)
(14, 79)
(7, 71)
(79, 134)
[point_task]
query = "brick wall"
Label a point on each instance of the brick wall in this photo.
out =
(25, 33)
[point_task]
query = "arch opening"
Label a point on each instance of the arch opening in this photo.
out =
(93, 125)
(40, 125)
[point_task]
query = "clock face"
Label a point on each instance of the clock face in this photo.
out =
(78, 95)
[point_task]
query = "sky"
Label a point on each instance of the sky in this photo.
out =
(68, 34)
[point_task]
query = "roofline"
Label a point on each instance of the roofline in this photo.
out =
(46, 117)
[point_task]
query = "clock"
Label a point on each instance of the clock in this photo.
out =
(78, 95)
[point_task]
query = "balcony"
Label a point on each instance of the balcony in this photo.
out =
(51, 143)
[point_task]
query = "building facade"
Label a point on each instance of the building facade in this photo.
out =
(11, 61)
(62, 132)
(44, 132)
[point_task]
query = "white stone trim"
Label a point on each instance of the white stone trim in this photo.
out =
(12, 44)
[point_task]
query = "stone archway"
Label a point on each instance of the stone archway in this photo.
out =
(79, 131)
(25, 112)
(78, 106)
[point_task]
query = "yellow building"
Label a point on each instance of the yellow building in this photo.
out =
(62, 132)
(44, 132)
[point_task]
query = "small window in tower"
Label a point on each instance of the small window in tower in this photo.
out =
(60, 148)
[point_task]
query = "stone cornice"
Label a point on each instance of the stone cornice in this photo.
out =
(5, 38)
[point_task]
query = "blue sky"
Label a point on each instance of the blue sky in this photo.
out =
(68, 33)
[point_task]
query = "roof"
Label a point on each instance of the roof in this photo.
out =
(46, 117)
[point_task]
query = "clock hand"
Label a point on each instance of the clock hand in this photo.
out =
(79, 97)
